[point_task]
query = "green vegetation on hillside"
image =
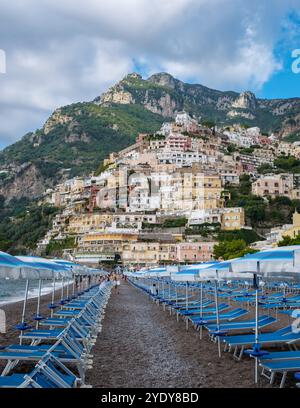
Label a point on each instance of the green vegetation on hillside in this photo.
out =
(260, 212)
(286, 241)
(55, 247)
(282, 164)
(293, 137)
(22, 224)
(246, 235)
(232, 249)
(81, 145)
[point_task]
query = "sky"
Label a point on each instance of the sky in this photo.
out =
(58, 52)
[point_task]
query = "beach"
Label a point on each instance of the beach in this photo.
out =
(13, 313)
(142, 346)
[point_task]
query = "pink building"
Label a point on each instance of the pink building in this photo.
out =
(274, 185)
(179, 142)
(195, 251)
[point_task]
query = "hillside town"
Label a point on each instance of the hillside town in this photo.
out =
(148, 203)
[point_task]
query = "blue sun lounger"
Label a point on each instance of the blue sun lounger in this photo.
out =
(291, 312)
(263, 321)
(280, 355)
(282, 366)
(67, 349)
(232, 315)
(72, 344)
(48, 373)
(281, 336)
(205, 310)
(281, 305)
(182, 306)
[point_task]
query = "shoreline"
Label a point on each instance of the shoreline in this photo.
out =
(45, 291)
(13, 312)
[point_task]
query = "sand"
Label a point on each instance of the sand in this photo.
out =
(143, 346)
(13, 317)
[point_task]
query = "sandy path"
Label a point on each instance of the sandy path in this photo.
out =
(142, 346)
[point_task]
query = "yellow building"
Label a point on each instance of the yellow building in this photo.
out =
(99, 242)
(144, 253)
(295, 229)
(207, 191)
(232, 218)
(83, 223)
(148, 253)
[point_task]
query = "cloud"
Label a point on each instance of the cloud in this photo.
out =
(59, 52)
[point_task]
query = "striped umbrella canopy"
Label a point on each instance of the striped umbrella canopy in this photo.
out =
(279, 263)
(186, 275)
(97, 272)
(13, 268)
(198, 265)
(61, 271)
(160, 272)
(219, 271)
(191, 273)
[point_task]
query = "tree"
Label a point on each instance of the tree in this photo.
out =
(231, 148)
(286, 241)
(245, 184)
(265, 168)
(232, 249)
(2, 202)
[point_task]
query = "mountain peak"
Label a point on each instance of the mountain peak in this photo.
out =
(245, 100)
(163, 79)
(132, 75)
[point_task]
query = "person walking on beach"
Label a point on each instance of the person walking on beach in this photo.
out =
(116, 284)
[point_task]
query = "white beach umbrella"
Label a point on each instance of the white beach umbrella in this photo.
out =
(55, 271)
(220, 271)
(14, 268)
(279, 263)
(189, 274)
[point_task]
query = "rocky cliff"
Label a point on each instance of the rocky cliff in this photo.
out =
(76, 138)
(165, 95)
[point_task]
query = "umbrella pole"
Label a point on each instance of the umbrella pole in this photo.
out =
(62, 293)
(170, 297)
(186, 305)
(52, 300)
(24, 309)
(256, 327)
(68, 283)
(73, 288)
(201, 308)
(38, 304)
(218, 318)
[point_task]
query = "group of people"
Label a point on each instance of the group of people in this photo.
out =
(116, 281)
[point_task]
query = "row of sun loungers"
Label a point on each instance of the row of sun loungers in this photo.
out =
(236, 332)
(61, 349)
